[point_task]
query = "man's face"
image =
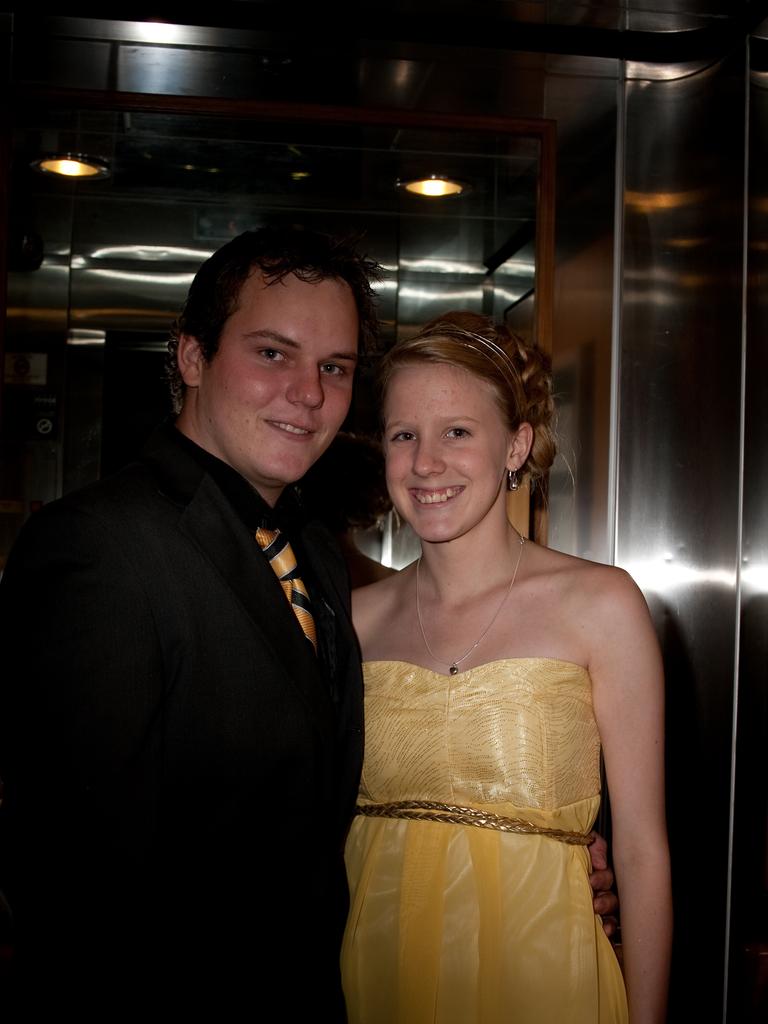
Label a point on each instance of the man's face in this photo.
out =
(277, 390)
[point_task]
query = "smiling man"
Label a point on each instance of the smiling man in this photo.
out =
(279, 388)
(182, 735)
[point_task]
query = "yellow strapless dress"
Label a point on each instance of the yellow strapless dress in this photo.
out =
(462, 925)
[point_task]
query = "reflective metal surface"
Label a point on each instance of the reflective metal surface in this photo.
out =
(748, 987)
(679, 468)
(579, 499)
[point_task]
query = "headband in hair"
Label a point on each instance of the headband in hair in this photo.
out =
(508, 366)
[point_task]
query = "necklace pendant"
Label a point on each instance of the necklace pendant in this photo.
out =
(453, 668)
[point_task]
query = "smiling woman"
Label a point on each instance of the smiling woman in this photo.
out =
(495, 668)
(518, 375)
(446, 447)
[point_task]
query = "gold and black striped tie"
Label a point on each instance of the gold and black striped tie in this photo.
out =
(282, 559)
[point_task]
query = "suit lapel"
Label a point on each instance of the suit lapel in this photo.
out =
(316, 544)
(330, 572)
(212, 526)
(325, 561)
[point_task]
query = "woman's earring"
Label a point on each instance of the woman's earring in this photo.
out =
(513, 480)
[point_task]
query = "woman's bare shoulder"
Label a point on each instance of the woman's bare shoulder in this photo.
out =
(600, 591)
(597, 610)
(376, 604)
(578, 570)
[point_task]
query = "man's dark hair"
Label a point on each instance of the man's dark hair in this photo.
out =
(346, 488)
(276, 252)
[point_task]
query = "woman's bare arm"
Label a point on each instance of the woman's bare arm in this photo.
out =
(628, 693)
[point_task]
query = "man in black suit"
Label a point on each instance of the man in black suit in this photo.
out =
(181, 753)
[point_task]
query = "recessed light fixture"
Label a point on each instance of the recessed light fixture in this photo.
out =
(73, 165)
(436, 186)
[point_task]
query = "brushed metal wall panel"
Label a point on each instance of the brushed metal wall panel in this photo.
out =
(579, 499)
(748, 995)
(678, 478)
(45, 60)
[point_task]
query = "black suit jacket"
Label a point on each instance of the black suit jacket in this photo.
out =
(179, 775)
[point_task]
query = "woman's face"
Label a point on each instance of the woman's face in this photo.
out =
(448, 449)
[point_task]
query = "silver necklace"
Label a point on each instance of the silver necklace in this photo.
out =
(453, 667)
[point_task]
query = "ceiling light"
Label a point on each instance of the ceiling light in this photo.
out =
(436, 186)
(73, 165)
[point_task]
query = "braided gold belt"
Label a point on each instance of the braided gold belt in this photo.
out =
(453, 814)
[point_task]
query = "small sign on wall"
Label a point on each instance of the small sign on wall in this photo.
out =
(26, 368)
(31, 415)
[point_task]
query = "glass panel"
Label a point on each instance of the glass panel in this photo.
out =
(117, 254)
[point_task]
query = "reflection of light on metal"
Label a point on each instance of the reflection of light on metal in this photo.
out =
(203, 170)
(398, 562)
(399, 544)
(755, 577)
(699, 280)
(504, 295)
(650, 202)
(660, 72)
(512, 268)
(131, 275)
(436, 186)
(404, 72)
(659, 275)
(385, 286)
(433, 294)
(34, 314)
(150, 252)
(82, 336)
(516, 268)
(442, 266)
(657, 297)
(660, 574)
(73, 165)
(159, 32)
(687, 243)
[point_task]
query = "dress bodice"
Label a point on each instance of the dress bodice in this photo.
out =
(517, 731)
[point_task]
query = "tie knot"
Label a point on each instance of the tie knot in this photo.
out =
(265, 537)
